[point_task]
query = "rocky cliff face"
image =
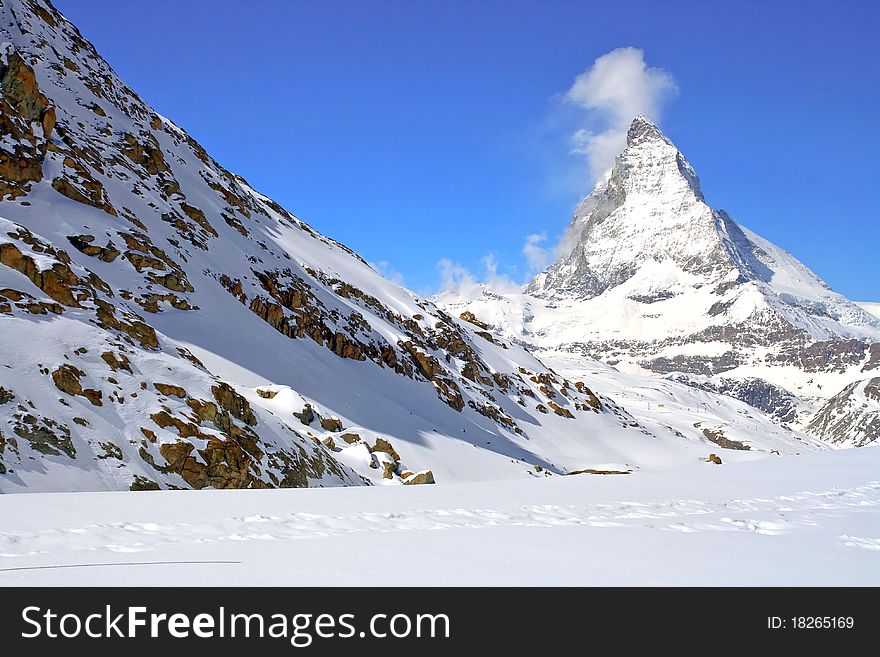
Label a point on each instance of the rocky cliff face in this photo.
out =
(164, 325)
(852, 417)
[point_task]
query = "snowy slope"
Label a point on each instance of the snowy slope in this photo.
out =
(653, 280)
(810, 520)
(164, 325)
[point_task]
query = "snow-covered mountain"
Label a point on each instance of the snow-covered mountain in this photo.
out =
(653, 280)
(164, 325)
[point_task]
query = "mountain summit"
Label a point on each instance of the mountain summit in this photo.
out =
(646, 233)
(650, 213)
(652, 277)
(643, 129)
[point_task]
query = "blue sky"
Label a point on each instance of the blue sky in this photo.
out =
(421, 131)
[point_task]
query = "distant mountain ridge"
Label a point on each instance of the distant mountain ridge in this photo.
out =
(654, 279)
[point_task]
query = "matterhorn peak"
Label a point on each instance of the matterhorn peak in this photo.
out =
(646, 233)
(651, 163)
(643, 129)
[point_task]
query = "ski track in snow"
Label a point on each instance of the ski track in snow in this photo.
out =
(765, 516)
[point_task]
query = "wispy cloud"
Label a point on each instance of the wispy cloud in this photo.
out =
(458, 280)
(618, 86)
(537, 257)
(454, 277)
(387, 271)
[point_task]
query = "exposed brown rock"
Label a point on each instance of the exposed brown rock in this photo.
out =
(473, 372)
(389, 469)
(44, 14)
(78, 184)
(199, 217)
(592, 399)
(134, 327)
(14, 295)
(184, 429)
(45, 435)
(235, 404)
(22, 105)
(150, 302)
(115, 362)
(717, 436)
(83, 244)
(383, 445)
(331, 424)
(468, 316)
(431, 369)
(560, 410)
(873, 358)
(714, 458)
(67, 380)
(145, 152)
(486, 336)
(20, 90)
(426, 477)
(109, 451)
(495, 413)
(141, 261)
(306, 416)
(170, 390)
(57, 282)
(224, 464)
(142, 483)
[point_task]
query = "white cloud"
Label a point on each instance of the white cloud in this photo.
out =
(617, 87)
(538, 257)
(459, 281)
(387, 271)
(501, 283)
(455, 277)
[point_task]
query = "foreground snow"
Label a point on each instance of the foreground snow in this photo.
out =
(807, 520)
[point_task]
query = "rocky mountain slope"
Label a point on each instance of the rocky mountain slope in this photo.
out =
(851, 418)
(654, 280)
(164, 325)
